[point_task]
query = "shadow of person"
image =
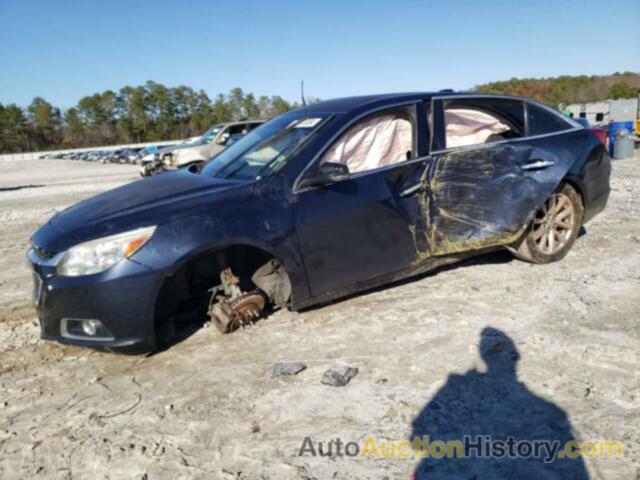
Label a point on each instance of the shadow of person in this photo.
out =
(487, 409)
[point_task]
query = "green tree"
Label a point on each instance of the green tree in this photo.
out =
(222, 110)
(235, 102)
(270, 107)
(14, 130)
(46, 123)
(250, 108)
(569, 89)
(279, 105)
(98, 114)
(74, 129)
(622, 89)
(203, 115)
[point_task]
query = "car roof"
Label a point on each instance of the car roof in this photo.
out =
(348, 104)
(242, 122)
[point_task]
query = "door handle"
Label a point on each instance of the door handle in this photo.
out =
(537, 164)
(411, 190)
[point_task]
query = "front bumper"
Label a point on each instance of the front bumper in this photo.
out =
(121, 298)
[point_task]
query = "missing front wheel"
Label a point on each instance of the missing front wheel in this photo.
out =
(231, 308)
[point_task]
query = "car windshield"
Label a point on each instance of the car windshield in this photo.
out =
(265, 150)
(208, 136)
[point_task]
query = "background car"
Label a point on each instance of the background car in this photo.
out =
(213, 141)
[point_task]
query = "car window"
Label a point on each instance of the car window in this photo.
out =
(235, 129)
(372, 143)
(209, 135)
(542, 120)
(476, 121)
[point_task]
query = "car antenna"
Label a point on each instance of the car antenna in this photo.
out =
(304, 102)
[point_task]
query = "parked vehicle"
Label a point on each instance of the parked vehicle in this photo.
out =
(161, 155)
(185, 155)
(132, 154)
(100, 155)
(123, 155)
(318, 203)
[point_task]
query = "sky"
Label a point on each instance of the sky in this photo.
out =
(64, 50)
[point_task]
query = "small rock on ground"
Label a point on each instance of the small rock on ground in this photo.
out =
(287, 368)
(339, 376)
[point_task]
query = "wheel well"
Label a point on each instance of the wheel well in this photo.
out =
(575, 186)
(185, 294)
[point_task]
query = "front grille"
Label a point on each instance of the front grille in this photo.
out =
(42, 253)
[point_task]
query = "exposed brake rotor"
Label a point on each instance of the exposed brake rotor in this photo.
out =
(235, 308)
(247, 308)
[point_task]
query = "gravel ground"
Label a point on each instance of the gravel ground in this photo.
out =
(209, 407)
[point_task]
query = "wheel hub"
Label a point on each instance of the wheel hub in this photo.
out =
(235, 308)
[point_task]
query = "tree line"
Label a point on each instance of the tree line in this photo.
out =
(153, 112)
(147, 113)
(569, 89)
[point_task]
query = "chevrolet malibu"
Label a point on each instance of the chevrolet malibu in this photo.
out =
(318, 203)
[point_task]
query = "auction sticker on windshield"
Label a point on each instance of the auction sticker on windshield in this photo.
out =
(306, 123)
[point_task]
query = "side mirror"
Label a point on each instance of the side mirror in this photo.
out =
(327, 173)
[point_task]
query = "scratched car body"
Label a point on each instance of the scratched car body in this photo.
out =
(319, 203)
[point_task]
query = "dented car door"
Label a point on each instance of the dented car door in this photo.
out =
(485, 195)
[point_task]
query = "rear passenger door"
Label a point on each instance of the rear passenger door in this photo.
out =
(492, 169)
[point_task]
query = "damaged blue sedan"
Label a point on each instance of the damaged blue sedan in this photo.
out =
(318, 203)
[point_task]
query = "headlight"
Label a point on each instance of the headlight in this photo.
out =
(98, 255)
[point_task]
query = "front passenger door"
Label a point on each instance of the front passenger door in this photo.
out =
(364, 227)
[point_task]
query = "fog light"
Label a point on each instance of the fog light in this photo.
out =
(80, 328)
(90, 327)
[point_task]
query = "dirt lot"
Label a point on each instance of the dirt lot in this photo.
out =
(209, 407)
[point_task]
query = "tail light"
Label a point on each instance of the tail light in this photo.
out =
(600, 133)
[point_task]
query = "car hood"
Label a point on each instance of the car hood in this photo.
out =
(181, 146)
(198, 147)
(163, 150)
(150, 201)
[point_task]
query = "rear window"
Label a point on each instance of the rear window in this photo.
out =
(474, 121)
(541, 120)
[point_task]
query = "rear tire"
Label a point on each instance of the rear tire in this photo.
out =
(554, 228)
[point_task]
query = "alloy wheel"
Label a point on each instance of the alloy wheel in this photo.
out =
(554, 224)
